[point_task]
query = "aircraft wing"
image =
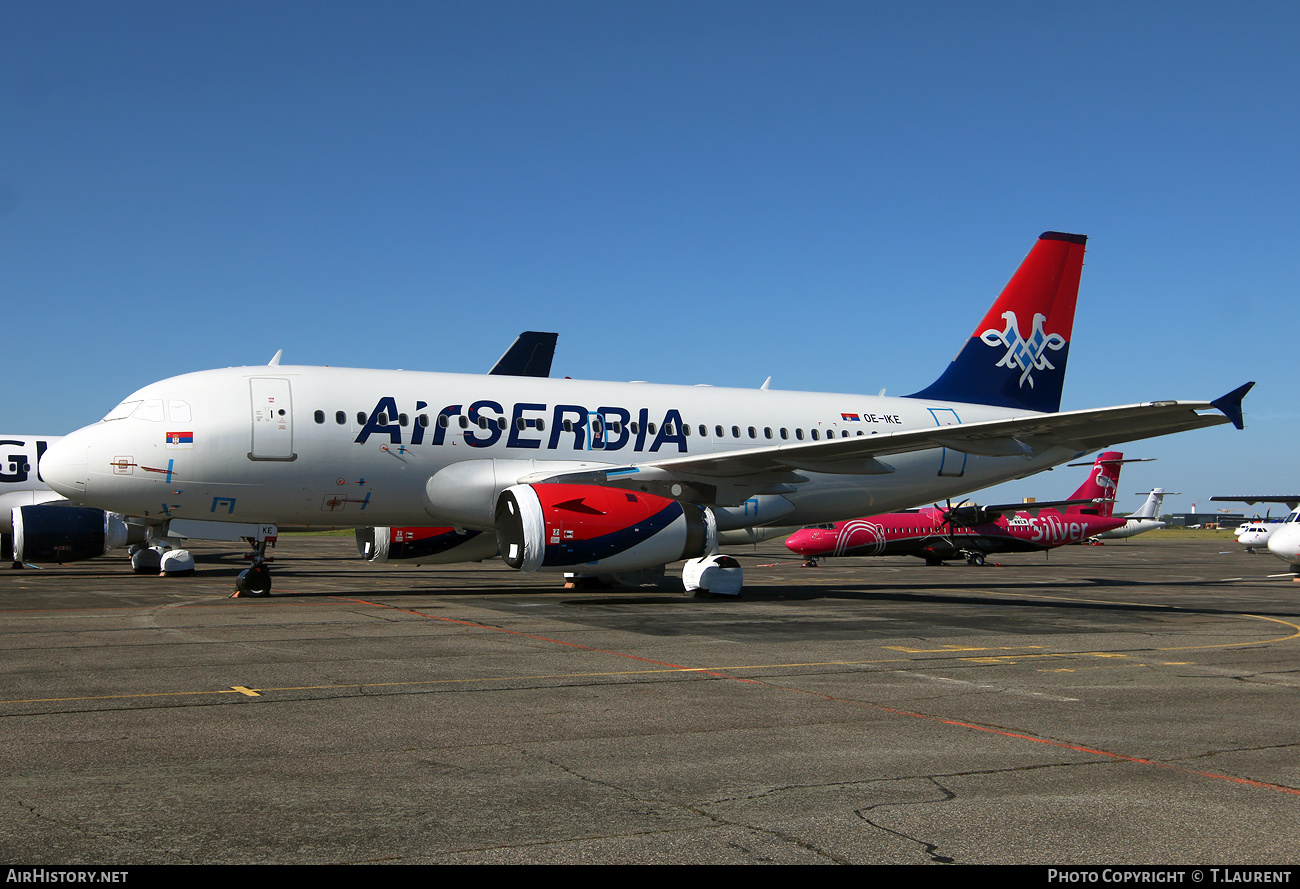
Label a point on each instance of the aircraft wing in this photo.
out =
(1034, 507)
(1291, 500)
(731, 477)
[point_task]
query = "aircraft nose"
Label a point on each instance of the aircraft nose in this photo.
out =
(798, 542)
(1285, 543)
(63, 467)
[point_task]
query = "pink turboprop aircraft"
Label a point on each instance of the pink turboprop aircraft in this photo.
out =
(970, 532)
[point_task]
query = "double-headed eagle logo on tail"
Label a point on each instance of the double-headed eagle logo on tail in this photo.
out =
(1027, 354)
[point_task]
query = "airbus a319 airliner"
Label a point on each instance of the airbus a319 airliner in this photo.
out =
(598, 477)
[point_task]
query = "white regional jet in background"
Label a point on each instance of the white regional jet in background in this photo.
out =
(596, 477)
(1281, 538)
(1254, 534)
(1147, 518)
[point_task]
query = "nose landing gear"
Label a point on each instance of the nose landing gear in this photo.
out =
(256, 579)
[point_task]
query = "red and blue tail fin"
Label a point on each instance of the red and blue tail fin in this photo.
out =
(1016, 356)
(1102, 484)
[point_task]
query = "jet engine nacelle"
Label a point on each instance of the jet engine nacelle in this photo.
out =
(970, 516)
(69, 533)
(426, 546)
(591, 528)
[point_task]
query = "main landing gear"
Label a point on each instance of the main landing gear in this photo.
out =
(256, 579)
(975, 559)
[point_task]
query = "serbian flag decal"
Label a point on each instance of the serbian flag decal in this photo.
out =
(180, 440)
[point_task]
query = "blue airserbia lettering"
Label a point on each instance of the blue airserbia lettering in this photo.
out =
(485, 423)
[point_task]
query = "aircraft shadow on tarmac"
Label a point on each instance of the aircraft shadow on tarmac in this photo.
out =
(416, 581)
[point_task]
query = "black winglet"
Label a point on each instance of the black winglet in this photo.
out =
(1230, 404)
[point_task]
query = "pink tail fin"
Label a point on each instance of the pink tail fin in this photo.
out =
(1102, 483)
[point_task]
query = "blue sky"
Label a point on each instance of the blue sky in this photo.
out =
(827, 192)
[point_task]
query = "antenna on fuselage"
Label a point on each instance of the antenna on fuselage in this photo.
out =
(766, 383)
(275, 360)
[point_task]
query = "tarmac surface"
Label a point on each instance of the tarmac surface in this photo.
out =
(1133, 703)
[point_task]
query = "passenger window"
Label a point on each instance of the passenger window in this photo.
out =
(403, 419)
(340, 417)
(319, 417)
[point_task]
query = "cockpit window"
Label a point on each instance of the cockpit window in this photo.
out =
(121, 411)
(149, 410)
(178, 411)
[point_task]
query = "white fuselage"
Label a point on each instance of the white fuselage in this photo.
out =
(1132, 528)
(308, 445)
(1256, 534)
(1147, 518)
(1284, 542)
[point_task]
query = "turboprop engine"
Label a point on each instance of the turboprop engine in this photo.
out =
(62, 533)
(424, 546)
(589, 528)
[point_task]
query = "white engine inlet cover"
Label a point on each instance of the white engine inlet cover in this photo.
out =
(176, 562)
(720, 575)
